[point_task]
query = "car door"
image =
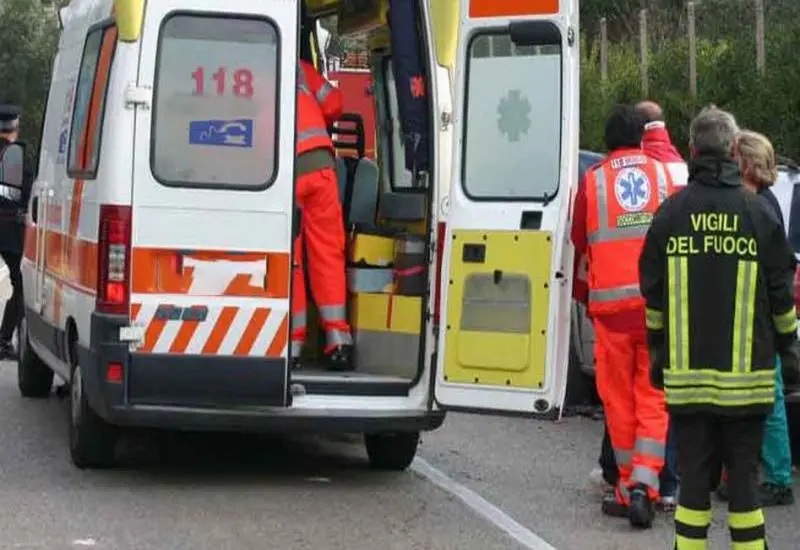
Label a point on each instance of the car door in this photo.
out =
(507, 261)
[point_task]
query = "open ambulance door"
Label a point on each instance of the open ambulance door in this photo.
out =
(507, 261)
(213, 201)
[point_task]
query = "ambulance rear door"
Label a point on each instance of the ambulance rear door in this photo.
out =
(212, 201)
(507, 261)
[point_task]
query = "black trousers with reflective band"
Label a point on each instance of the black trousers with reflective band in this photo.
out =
(705, 443)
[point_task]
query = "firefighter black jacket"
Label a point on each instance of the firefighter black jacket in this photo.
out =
(716, 272)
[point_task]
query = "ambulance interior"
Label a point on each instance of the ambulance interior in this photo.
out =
(386, 207)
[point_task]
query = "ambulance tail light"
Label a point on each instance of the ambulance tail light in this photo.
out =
(114, 259)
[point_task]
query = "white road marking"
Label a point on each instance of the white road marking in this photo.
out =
(84, 542)
(481, 506)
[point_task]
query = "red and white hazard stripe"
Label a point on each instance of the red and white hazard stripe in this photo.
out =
(227, 330)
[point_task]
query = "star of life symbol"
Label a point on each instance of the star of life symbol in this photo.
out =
(513, 115)
(632, 189)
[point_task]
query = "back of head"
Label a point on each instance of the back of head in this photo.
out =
(758, 158)
(713, 132)
(624, 128)
(650, 111)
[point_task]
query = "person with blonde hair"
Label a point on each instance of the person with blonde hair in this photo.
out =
(756, 158)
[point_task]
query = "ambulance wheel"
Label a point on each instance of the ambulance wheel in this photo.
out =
(391, 452)
(92, 441)
(34, 377)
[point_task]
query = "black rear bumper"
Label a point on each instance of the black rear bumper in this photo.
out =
(196, 392)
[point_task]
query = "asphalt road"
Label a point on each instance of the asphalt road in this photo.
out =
(195, 491)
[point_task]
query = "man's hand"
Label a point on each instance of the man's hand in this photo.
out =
(790, 365)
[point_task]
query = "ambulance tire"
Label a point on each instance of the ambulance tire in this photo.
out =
(92, 441)
(392, 452)
(34, 377)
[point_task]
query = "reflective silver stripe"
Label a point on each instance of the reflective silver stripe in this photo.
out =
(299, 320)
(295, 349)
(311, 133)
(338, 338)
(618, 234)
(303, 90)
(323, 92)
(333, 313)
(623, 456)
(643, 474)
(613, 294)
(650, 447)
(661, 181)
(602, 202)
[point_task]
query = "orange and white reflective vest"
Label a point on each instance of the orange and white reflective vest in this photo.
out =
(622, 195)
(319, 105)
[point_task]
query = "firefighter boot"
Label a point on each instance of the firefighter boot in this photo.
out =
(641, 510)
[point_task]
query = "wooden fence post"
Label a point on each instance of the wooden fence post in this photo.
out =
(690, 20)
(760, 50)
(643, 51)
(603, 49)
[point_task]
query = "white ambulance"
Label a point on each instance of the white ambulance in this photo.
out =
(158, 250)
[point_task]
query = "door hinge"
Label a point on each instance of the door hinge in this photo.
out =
(138, 96)
(446, 119)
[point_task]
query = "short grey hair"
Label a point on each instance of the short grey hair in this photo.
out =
(714, 132)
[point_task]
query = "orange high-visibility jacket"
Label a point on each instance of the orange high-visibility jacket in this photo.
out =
(319, 105)
(622, 195)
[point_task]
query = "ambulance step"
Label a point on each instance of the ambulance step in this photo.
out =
(317, 381)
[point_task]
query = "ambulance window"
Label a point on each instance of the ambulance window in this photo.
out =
(215, 107)
(512, 140)
(90, 98)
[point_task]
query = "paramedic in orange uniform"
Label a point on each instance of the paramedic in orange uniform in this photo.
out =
(613, 209)
(322, 237)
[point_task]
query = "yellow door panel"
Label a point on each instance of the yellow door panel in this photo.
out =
(497, 308)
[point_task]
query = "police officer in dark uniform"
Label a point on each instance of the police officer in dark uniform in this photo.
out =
(14, 191)
(716, 272)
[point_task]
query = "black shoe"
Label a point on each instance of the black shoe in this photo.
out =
(340, 359)
(775, 495)
(612, 507)
(7, 351)
(642, 510)
(722, 491)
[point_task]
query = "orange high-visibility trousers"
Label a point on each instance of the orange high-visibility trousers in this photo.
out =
(322, 237)
(635, 410)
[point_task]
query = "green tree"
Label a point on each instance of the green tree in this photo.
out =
(28, 41)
